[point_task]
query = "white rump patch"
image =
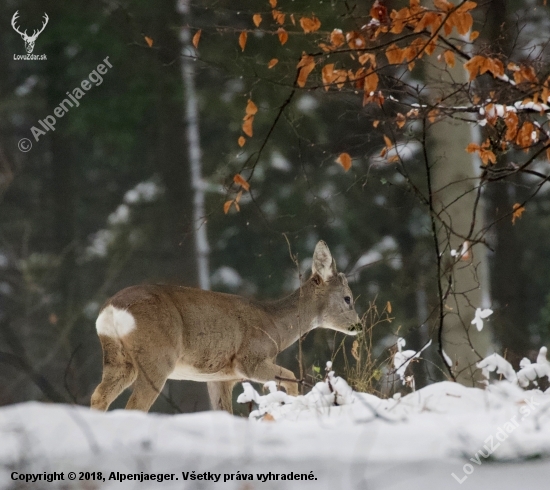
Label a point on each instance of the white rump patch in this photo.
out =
(115, 322)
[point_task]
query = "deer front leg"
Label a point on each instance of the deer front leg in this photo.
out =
(268, 371)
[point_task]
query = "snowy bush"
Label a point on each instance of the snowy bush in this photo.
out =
(528, 373)
(332, 391)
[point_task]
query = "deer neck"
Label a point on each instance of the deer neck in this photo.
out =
(292, 316)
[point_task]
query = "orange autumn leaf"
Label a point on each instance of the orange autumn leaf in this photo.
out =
(238, 179)
(345, 160)
(431, 20)
(241, 141)
(371, 83)
(242, 40)
(449, 58)
(370, 57)
(525, 74)
(375, 123)
(227, 206)
(257, 19)
(379, 12)
(395, 54)
(251, 108)
(272, 63)
(283, 35)
(388, 142)
(273, 3)
(512, 122)
(337, 38)
(355, 40)
(443, 5)
(239, 195)
(483, 151)
(149, 41)
(310, 25)
(305, 66)
(474, 66)
(478, 65)
(336, 77)
(524, 138)
(248, 119)
(196, 38)
(247, 125)
(278, 17)
(327, 74)
(518, 211)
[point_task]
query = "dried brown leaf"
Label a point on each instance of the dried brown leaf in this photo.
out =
(283, 35)
(345, 160)
(449, 58)
(305, 66)
(196, 38)
(310, 24)
(518, 210)
(278, 17)
(239, 180)
(242, 39)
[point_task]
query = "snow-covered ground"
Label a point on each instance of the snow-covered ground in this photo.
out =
(498, 438)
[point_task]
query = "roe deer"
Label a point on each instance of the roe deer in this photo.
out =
(153, 333)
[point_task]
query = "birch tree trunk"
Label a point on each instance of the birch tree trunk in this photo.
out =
(193, 141)
(455, 176)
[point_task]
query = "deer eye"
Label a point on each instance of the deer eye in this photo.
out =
(347, 299)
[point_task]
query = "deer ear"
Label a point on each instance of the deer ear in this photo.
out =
(323, 264)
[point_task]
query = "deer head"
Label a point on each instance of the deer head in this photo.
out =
(29, 40)
(333, 296)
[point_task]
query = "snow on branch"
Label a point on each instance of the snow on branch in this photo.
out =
(528, 373)
(333, 391)
(497, 363)
(403, 358)
(531, 372)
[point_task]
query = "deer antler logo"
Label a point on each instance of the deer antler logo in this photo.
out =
(29, 40)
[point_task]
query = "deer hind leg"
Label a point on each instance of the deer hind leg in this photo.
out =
(151, 378)
(118, 373)
(221, 395)
(268, 371)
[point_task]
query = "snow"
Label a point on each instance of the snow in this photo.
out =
(497, 363)
(479, 316)
(402, 358)
(416, 441)
(530, 372)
